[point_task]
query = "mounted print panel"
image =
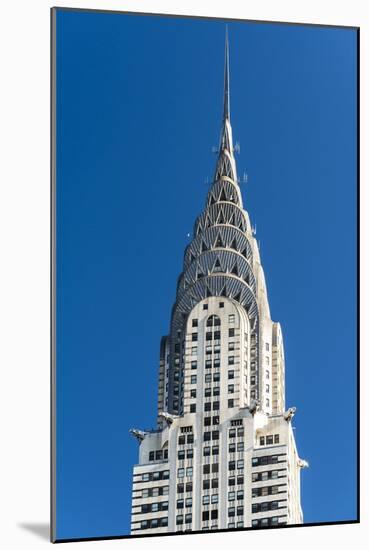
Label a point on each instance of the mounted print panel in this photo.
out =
(204, 269)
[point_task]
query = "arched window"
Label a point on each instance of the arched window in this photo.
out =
(213, 321)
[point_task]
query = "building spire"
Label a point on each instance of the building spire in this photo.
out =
(226, 108)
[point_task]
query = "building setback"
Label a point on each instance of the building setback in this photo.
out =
(223, 455)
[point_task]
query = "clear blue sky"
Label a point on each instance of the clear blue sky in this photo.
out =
(139, 103)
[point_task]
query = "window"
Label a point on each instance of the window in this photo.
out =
(216, 377)
(207, 378)
(230, 374)
(181, 455)
(206, 484)
(179, 520)
(262, 440)
(206, 468)
(267, 360)
(269, 440)
(231, 525)
(216, 405)
(231, 360)
(189, 502)
(214, 499)
(180, 472)
(232, 447)
(215, 468)
(189, 487)
(240, 495)
(232, 432)
(207, 406)
(208, 363)
(193, 394)
(240, 510)
(231, 332)
(231, 465)
(214, 483)
(221, 304)
(276, 438)
(194, 337)
(267, 402)
(240, 446)
(230, 403)
(215, 420)
(209, 336)
(253, 380)
(207, 421)
(206, 451)
(215, 450)
(214, 515)
(193, 365)
(216, 390)
(189, 453)
(217, 335)
(207, 436)
(215, 435)
(180, 503)
(267, 388)
(267, 346)
(240, 464)
(205, 516)
(194, 350)
(190, 438)
(231, 512)
(231, 346)
(181, 440)
(207, 392)
(193, 408)
(205, 306)
(216, 363)
(151, 455)
(267, 375)
(195, 322)
(239, 524)
(193, 379)
(180, 488)
(239, 480)
(231, 388)
(231, 481)
(189, 471)
(206, 499)
(231, 495)
(188, 518)
(231, 318)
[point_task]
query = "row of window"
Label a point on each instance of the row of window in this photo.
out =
(185, 454)
(232, 447)
(233, 479)
(269, 439)
(267, 506)
(182, 439)
(264, 460)
(154, 476)
(265, 491)
(154, 507)
(214, 483)
(182, 502)
(180, 519)
(153, 523)
(213, 499)
(185, 487)
(214, 468)
(233, 463)
(214, 320)
(232, 432)
(208, 421)
(155, 491)
(207, 451)
(181, 472)
(209, 514)
(264, 476)
(235, 511)
(265, 522)
(235, 495)
(158, 455)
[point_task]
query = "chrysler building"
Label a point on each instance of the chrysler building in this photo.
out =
(223, 454)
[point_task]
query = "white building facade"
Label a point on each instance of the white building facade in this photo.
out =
(223, 455)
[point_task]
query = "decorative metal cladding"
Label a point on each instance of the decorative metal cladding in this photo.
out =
(219, 260)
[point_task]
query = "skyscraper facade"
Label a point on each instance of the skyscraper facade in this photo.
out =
(223, 454)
